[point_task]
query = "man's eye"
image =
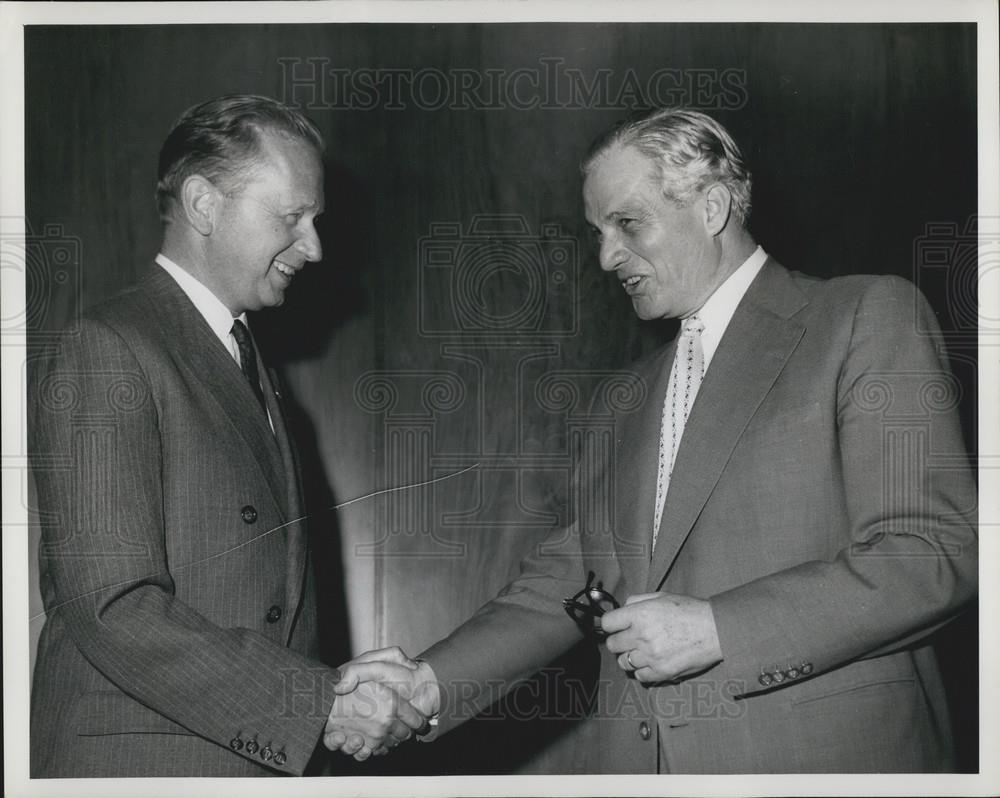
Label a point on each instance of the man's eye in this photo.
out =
(626, 224)
(293, 218)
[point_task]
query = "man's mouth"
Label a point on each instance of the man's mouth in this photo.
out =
(629, 283)
(285, 269)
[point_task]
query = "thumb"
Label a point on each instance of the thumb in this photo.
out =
(354, 673)
(392, 654)
(641, 597)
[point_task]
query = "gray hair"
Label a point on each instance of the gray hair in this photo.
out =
(691, 149)
(221, 139)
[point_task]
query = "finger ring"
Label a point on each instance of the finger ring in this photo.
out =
(628, 659)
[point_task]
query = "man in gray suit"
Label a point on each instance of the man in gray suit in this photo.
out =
(180, 637)
(768, 515)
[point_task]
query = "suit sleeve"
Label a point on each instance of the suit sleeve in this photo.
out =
(512, 637)
(912, 561)
(95, 443)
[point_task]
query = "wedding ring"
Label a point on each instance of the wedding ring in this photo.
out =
(628, 659)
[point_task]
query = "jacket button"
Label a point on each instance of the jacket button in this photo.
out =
(807, 668)
(274, 614)
(280, 758)
(248, 514)
(765, 679)
(266, 753)
(644, 731)
(236, 744)
(252, 747)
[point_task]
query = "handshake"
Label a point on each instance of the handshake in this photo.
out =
(382, 699)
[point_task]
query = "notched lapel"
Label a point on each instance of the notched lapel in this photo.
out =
(755, 348)
(637, 451)
(187, 335)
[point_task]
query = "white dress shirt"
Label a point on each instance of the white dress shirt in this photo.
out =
(218, 316)
(719, 308)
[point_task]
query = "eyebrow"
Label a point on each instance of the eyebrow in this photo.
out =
(626, 211)
(303, 207)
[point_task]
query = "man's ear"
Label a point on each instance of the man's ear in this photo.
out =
(718, 206)
(200, 200)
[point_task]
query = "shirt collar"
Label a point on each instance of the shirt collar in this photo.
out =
(218, 316)
(718, 310)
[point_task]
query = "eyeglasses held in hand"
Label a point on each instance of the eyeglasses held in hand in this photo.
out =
(587, 606)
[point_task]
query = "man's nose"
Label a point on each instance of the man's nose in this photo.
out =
(308, 244)
(611, 254)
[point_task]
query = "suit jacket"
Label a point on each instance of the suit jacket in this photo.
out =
(180, 636)
(821, 500)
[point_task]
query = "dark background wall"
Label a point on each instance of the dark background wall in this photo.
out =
(459, 313)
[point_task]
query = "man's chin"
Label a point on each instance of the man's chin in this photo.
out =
(275, 298)
(645, 310)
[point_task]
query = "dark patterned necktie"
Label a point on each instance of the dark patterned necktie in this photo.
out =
(248, 359)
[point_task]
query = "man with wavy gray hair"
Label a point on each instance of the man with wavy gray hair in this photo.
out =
(180, 637)
(769, 516)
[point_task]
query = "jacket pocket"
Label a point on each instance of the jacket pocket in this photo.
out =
(865, 677)
(855, 690)
(109, 712)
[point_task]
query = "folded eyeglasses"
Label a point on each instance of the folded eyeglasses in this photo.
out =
(587, 606)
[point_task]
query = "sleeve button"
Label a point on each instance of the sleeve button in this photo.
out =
(274, 614)
(236, 744)
(280, 758)
(779, 676)
(807, 668)
(252, 747)
(248, 514)
(765, 679)
(266, 753)
(793, 673)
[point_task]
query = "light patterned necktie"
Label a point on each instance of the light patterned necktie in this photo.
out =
(685, 379)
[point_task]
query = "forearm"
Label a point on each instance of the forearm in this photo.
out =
(821, 615)
(490, 654)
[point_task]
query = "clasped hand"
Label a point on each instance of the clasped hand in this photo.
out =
(663, 637)
(382, 699)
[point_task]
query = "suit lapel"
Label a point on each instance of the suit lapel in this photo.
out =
(637, 453)
(192, 343)
(296, 531)
(757, 343)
